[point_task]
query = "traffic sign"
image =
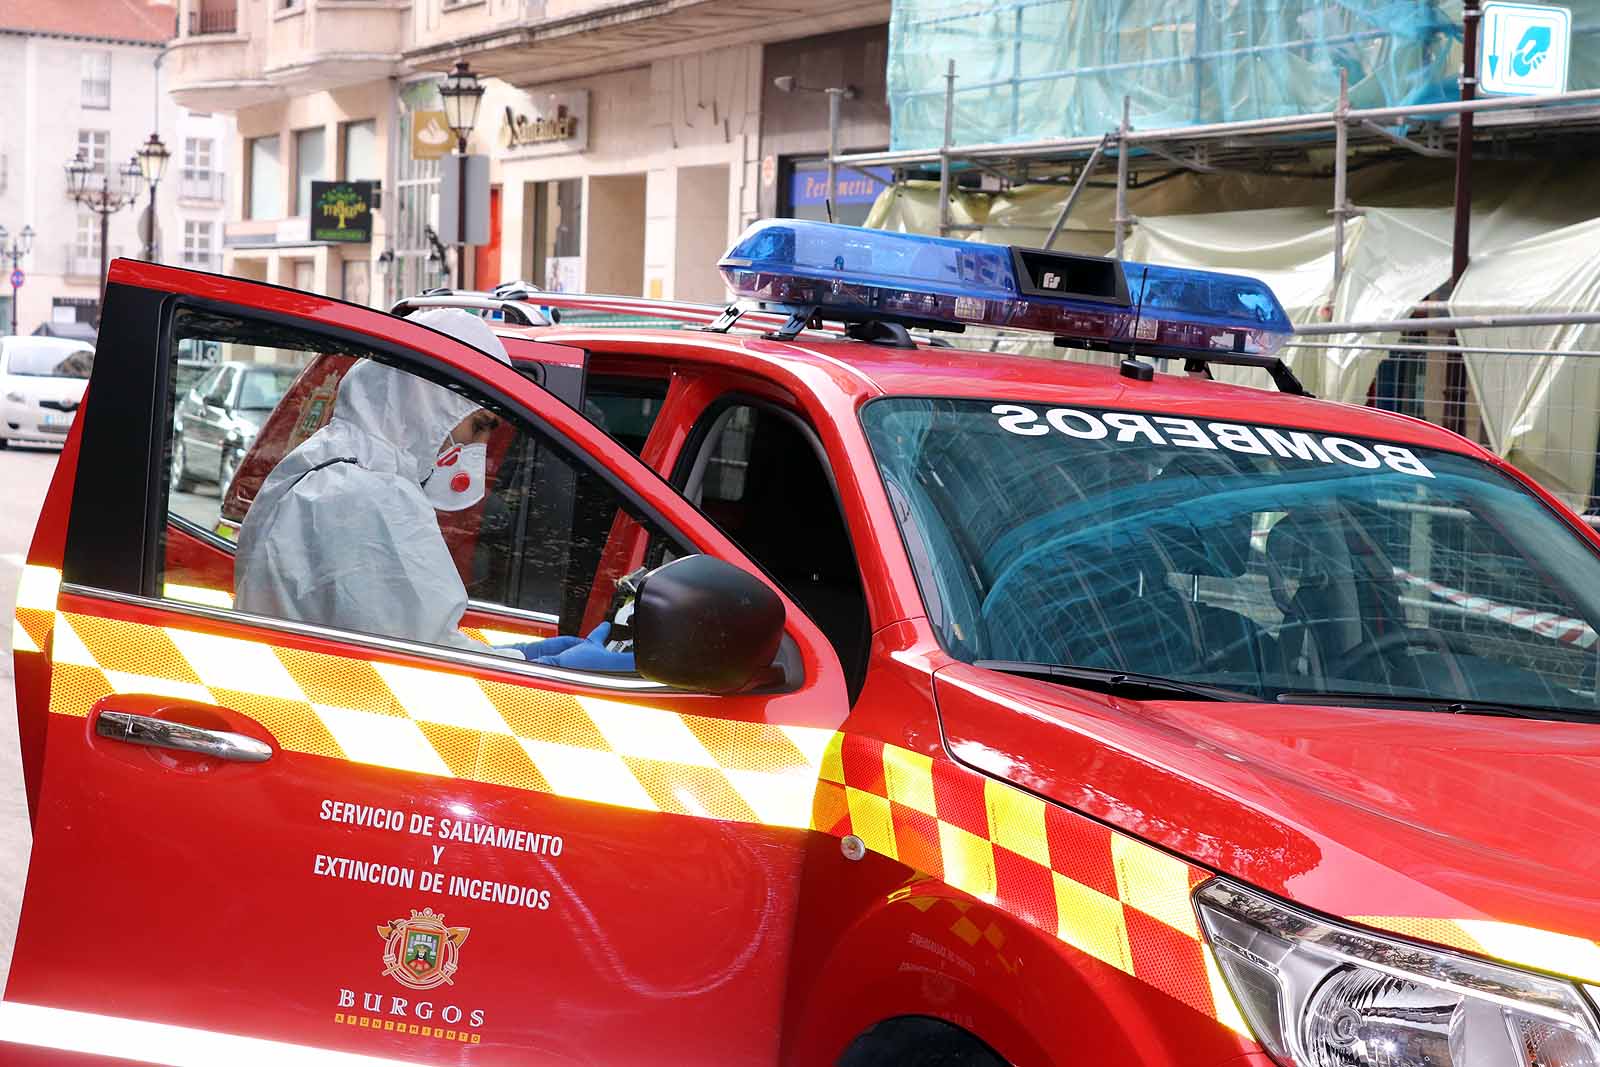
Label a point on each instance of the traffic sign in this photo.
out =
(16, 279)
(1525, 49)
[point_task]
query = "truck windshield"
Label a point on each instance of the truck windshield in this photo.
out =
(48, 360)
(1270, 561)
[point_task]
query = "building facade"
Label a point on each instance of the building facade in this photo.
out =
(95, 85)
(625, 143)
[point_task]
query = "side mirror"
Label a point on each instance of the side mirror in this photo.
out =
(699, 623)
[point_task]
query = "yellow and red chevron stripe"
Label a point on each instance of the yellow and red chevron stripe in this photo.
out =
(36, 608)
(1102, 892)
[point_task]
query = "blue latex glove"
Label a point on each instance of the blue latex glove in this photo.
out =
(591, 654)
(550, 646)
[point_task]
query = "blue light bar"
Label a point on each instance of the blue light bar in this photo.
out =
(856, 275)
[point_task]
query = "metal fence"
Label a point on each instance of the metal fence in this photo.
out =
(1538, 408)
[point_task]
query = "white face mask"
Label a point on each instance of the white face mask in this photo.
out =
(457, 478)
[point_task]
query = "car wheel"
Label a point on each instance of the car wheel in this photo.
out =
(180, 482)
(227, 467)
(4, 443)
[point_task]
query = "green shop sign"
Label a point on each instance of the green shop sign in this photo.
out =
(341, 211)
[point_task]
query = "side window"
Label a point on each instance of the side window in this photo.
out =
(758, 473)
(625, 408)
(220, 387)
(375, 500)
(204, 385)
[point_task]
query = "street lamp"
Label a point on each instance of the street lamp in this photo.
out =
(19, 248)
(437, 267)
(104, 201)
(461, 92)
(152, 156)
(786, 83)
(385, 266)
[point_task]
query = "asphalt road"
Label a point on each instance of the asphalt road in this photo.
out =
(24, 478)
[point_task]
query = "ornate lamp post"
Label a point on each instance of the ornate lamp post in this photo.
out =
(103, 201)
(462, 92)
(152, 156)
(438, 263)
(19, 248)
(385, 267)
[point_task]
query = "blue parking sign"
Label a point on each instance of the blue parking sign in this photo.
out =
(1525, 49)
(16, 279)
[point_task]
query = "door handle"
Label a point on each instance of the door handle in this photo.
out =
(159, 733)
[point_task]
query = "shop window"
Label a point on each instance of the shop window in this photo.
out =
(310, 164)
(804, 191)
(359, 147)
(558, 235)
(266, 179)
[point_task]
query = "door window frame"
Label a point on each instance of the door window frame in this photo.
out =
(102, 560)
(688, 458)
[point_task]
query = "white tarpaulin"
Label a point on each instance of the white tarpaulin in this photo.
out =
(1393, 259)
(1540, 412)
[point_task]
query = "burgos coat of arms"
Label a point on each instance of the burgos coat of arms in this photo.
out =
(421, 952)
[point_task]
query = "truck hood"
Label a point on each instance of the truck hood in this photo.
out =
(1349, 811)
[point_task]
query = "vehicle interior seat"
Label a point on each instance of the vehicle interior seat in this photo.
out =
(1334, 596)
(787, 517)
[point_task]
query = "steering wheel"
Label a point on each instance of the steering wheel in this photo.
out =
(1406, 636)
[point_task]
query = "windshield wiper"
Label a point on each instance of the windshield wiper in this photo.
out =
(1444, 705)
(1119, 683)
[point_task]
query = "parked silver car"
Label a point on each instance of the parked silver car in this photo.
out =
(42, 380)
(219, 416)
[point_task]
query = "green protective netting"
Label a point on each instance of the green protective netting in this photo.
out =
(1037, 69)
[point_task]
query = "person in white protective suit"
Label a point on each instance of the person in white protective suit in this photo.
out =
(344, 531)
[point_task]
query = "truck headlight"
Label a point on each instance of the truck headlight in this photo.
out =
(1317, 994)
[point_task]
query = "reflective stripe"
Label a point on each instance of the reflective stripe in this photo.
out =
(1575, 957)
(21, 640)
(453, 725)
(1104, 893)
(36, 607)
(160, 1043)
(37, 587)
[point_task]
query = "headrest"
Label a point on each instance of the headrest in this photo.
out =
(1213, 542)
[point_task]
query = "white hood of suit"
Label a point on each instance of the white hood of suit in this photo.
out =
(341, 533)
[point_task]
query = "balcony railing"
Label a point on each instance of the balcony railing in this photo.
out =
(81, 263)
(203, 185)
(201, 260)
(214, 18)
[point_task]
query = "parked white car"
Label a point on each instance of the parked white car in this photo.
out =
(41, 385)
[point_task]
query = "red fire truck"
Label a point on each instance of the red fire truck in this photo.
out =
(983, 709)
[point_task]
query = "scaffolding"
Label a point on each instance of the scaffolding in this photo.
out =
(1436, 365)
(1268, 145)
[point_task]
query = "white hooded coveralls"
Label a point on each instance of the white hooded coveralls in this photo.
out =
(341, 533)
